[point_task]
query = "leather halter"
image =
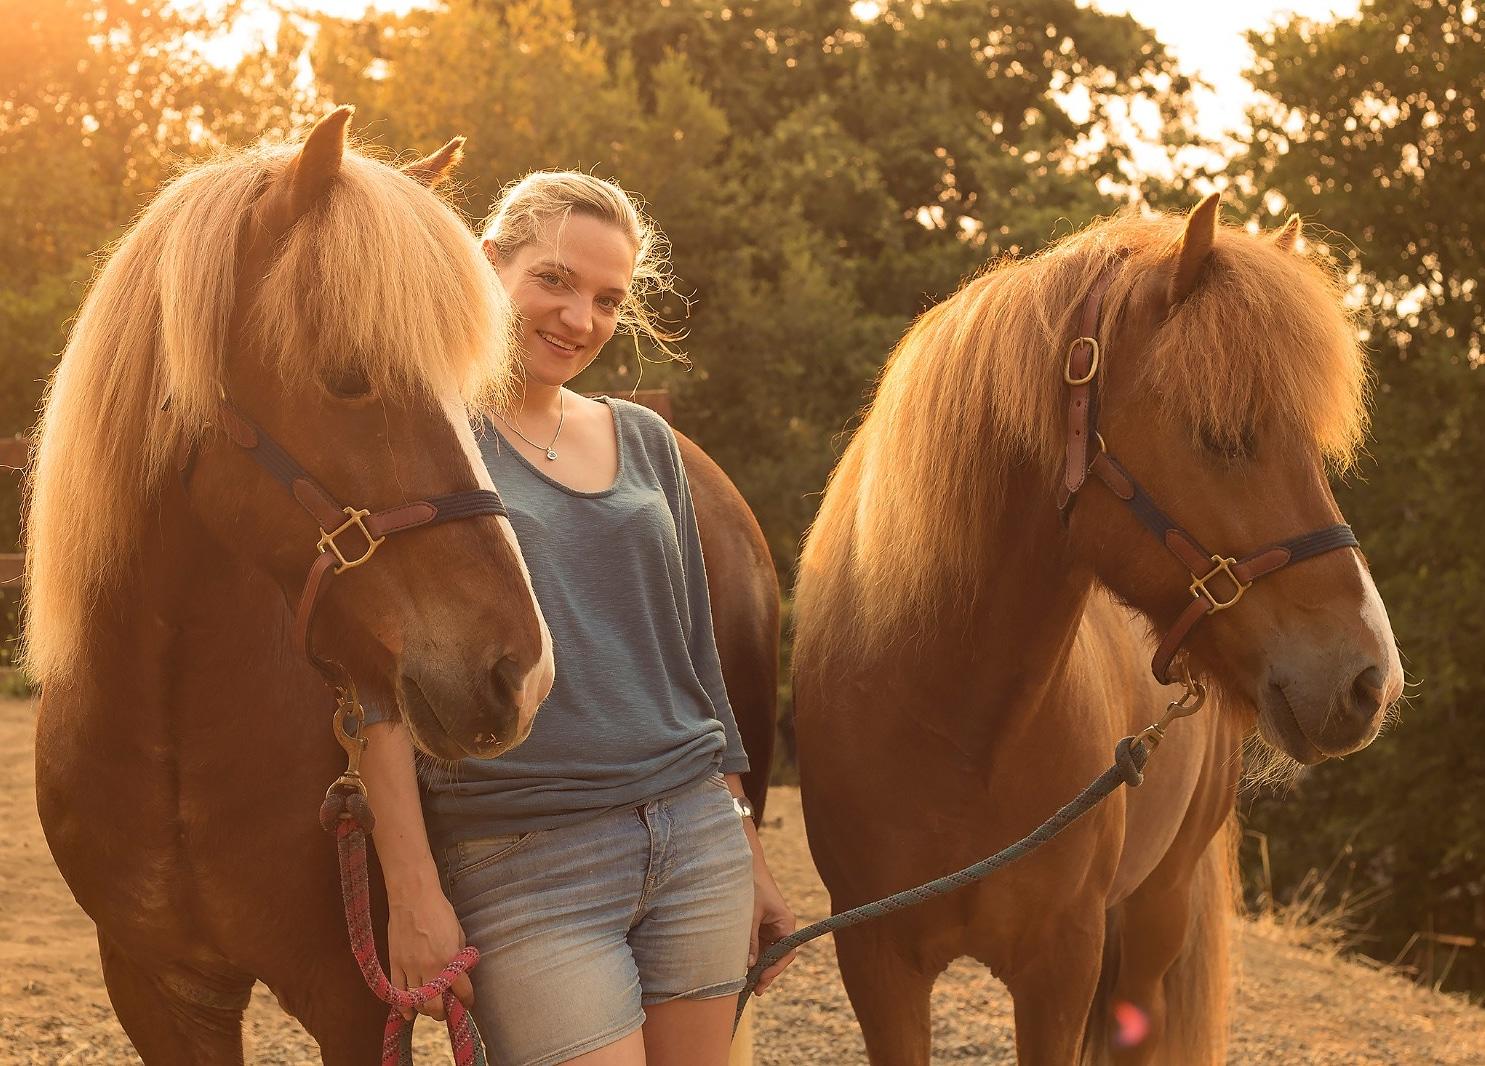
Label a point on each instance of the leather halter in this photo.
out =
(336, 520)
(1085, 360)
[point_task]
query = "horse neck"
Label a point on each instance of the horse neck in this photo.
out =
(1010, 644)
(189, 618)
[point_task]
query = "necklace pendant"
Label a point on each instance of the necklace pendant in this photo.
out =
(552, 453)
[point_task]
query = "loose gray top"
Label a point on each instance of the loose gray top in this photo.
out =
(638, 708)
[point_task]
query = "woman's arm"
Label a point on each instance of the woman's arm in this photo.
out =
(772, 918)
(423, 933)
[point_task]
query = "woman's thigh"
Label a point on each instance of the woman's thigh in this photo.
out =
(691, 937)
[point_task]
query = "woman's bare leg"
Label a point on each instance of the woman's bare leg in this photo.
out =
(689, 1032)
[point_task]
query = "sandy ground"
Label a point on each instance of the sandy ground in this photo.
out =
(1293, 1006)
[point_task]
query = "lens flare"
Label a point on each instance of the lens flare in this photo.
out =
(1131, 1025)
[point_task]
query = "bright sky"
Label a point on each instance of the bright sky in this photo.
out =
(1205, 36)
(1207, 39)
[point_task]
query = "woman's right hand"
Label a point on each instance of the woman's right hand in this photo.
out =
(423, 936)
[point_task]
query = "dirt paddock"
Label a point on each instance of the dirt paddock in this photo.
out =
(1292, 1006)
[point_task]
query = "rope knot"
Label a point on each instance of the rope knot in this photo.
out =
(346, 802)
(1130, 757)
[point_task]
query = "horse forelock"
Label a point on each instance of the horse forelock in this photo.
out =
(974, 390)
(381, 276)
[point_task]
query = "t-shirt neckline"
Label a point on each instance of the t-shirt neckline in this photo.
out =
(613, 408)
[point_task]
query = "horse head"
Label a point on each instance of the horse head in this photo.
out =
(363, 321)
(1230, 380)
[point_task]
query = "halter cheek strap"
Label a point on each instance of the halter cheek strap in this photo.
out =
(1217, 581)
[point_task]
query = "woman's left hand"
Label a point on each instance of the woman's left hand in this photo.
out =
(772, 920)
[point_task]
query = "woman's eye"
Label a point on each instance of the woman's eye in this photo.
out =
(347, 384)
(550, 278)
(608, 303)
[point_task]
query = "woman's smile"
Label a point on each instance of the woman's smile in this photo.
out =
(559, 344)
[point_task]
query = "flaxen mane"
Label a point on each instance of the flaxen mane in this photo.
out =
(386, 276)
(975, 387)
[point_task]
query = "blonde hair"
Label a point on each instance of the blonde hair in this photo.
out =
(525, 207)
(384, 273)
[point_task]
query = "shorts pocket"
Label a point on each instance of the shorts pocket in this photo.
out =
(719, 779)
(471, 856)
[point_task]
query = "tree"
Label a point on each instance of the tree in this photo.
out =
(871, 164)
(1373, 130)
(99, 104)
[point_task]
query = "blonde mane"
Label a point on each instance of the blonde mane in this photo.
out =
(381, 275)
(975, 389)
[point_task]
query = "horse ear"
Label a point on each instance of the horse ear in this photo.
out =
(318, 162)
(1288, 236)
(433, 169)
(1196, 245)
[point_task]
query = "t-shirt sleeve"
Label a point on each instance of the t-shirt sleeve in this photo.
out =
(702, 639)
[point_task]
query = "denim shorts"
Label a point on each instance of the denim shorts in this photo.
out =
(582, 927)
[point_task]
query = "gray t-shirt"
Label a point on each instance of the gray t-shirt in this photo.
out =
(638, 708)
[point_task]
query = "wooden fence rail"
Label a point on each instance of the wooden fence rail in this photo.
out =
(15, 451)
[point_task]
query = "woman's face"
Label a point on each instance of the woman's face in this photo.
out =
(567, 286)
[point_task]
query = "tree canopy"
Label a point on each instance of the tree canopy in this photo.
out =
(1373, 131)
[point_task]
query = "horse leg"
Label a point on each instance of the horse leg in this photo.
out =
(176, 1014)
(1053, 990)
(336, 1008)
(1154, 922)
(1173, 962)
(890, 995)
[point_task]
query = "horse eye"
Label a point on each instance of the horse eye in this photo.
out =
(1227, 445)
(346, 383)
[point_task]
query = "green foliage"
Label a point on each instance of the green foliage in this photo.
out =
(1374, 131)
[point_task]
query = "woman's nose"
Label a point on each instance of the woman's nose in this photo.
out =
(578, 317)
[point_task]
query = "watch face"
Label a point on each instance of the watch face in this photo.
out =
(742, 807)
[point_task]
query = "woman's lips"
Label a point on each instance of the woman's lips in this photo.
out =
(559, 345)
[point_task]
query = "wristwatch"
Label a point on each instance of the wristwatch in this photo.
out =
(741, 805)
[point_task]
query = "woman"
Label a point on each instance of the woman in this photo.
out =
(602, 868)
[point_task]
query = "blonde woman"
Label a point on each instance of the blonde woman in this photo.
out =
(602, 868)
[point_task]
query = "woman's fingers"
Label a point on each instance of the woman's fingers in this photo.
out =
(399, 980)
(773, 971)
(463, 990)
(434, 1007)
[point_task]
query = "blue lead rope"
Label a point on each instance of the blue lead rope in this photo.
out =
(1130, 755)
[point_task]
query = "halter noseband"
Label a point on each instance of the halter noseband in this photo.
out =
(1085, 358)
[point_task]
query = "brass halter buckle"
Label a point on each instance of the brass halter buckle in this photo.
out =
(1224, 566)
(356, 518)
(1067, 374)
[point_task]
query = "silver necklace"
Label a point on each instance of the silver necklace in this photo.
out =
(550, 449)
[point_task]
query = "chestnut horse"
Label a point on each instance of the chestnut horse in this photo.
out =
(968, 655)
(183, 738)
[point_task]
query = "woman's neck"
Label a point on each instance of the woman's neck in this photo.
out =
(537, 403)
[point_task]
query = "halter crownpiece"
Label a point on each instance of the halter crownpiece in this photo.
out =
(1217, 581)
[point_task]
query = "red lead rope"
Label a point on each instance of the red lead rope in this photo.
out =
(346, 813)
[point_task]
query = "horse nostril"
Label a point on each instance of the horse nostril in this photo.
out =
(1366, 692)
(508, 677)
